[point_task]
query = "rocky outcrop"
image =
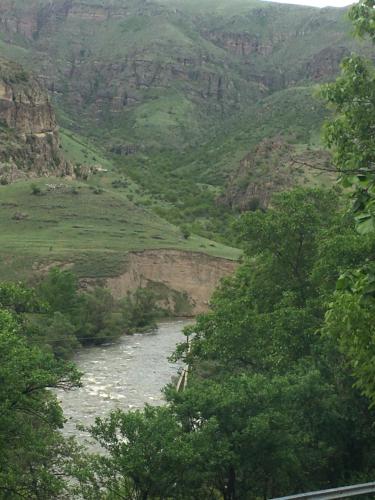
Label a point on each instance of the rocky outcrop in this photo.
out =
(241, 44)
(325, 64)
(272, 166)
(185, 280)
(38, 17)
(29, 140)
(262, 172)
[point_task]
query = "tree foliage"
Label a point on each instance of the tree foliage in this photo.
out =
(363, 17)
(351, 135)
(32, 452)
(66, 317)
(270, 407)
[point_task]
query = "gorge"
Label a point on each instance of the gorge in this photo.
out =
(206, 167)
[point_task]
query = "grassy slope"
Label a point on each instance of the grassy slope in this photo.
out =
(77, 223)
(294, 113)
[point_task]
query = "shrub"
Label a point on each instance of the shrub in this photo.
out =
(35, 190)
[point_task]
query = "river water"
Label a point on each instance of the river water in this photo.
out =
(125, 375)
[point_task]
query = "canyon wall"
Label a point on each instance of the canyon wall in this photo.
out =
(29, 136)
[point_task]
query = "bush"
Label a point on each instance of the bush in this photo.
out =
(139, 310)
(35, 190)
(185, 232)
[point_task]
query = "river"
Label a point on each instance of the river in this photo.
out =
(126, 375)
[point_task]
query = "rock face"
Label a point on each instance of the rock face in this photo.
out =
(272, 166)
(242, 44)
(325, 64)
(29, 140)
(262, 172)
(186, 280)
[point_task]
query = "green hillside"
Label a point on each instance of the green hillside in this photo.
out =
(70, 222)
(175, 94)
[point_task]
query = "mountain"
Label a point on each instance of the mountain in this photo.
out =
(179, 92)
(142, 75)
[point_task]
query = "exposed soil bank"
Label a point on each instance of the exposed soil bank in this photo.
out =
(185, 280)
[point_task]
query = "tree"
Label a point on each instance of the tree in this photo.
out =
(97, 322)
(262, 328)
(363, 17)
(139, 310)
(59, 289)
(351, 136)
(31, 449)
(72, 317)
(286, 236)
(272, 293)
(148, 457)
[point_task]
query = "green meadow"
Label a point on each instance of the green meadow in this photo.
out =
(89, 227)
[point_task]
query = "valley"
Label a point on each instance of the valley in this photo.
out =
(186, 185)
(177, 94)
(172, 116)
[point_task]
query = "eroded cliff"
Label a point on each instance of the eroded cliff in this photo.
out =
(29, 140)
(184, 281)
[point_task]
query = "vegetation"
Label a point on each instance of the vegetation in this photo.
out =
(350, 317)
(270, 407)
(177, 93)
(71, 318)
(281, 369)
(271, 398)
(33, 452)
(68, 223)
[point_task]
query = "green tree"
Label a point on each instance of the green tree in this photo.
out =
(286, 236)
(149, 456)
(264, 323)
(72, 317)
(60, 334)
(363, 17)
(351, 136)
(97, 321)
(139, 310)
(18, 298)
(31, 450)
(59, 289)
(272, 292)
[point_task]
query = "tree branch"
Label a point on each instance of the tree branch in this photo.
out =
(333, 169)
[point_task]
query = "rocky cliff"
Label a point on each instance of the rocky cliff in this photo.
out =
(263, 171)
(184, 281)
(29, 140)
(272, 166)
